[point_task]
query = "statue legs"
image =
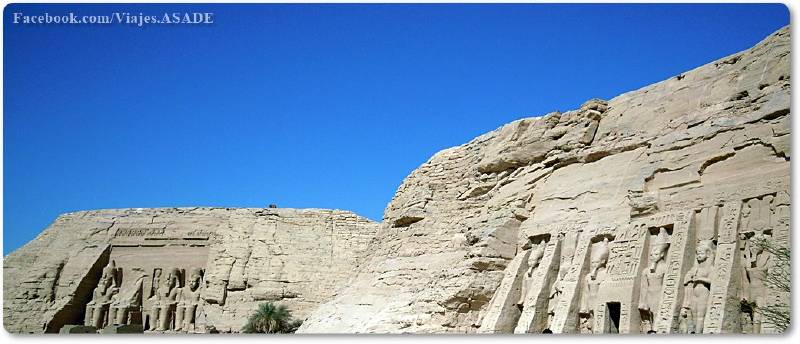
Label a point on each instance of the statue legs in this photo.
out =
(164, 317)
(120, 315)
(87, 320)
(98, 316)
(700, 293)
(152, 318)
(179, 315)
(190, 317)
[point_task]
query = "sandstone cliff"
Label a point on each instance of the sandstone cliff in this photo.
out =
(295, 257)
(716, 134)
(630, 215)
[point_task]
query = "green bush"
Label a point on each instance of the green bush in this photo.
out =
(270, 318)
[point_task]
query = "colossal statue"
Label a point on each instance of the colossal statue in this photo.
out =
(126, 302)
(97, 310)
(188, 301)
(592, 282)
(757, 263)
(163, 303)
(698, 285)
(535, 257)
(653, 279)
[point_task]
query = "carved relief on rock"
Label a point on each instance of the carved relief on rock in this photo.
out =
(761, 218)
(163, 302)
(127, 302)
(96, 314)
(697, 283)
(554, 295)
(537, 247)
(652, 279)
(592, 283)
(188, 302)
(542, 268)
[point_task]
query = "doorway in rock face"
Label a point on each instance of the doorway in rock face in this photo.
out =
(612, 318)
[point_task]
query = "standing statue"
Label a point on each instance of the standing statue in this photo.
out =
(652, 280)
(757, 263)
(698, 285)
(97, 309)
(124, 303)
(537, 252)
(188, 300)
(163, 302)
(592, 281)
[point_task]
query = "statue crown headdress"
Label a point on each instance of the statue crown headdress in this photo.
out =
(662, 239)
(110, 268)
(601, 250)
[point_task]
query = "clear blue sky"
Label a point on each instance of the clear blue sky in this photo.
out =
(327, 106)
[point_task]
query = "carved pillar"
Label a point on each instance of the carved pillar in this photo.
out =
(502, 314)
(565, 319)
(534, 314)
(678, 264)
(723, 308)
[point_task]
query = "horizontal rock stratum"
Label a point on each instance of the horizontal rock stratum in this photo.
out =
(637, 214)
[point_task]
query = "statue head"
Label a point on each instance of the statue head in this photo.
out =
(109, 275)
(660, 246)
(704, 251)
(171, 281)
(537, 252)
(758, 239)
(195, 278)
(599, 257)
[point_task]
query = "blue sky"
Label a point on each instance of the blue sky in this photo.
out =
(326, 106)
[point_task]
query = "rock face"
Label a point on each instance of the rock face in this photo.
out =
(632, 215)
(240, 257)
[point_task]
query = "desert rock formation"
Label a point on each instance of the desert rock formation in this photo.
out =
(630, 215)
(242, 257)
(563, 211)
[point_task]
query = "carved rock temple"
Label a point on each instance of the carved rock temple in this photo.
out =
(191, 270)
(640, 214)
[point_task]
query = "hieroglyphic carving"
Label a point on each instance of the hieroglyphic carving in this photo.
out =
(781, 218)
(666, 319)
(140, 232)
(625, 251)
(565, 317)
(563, 292)
(723, 309)
(725, 193)
(764, 221)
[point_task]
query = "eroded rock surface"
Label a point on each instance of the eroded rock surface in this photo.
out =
(636, 214)
(587, 194)
(180, 270)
